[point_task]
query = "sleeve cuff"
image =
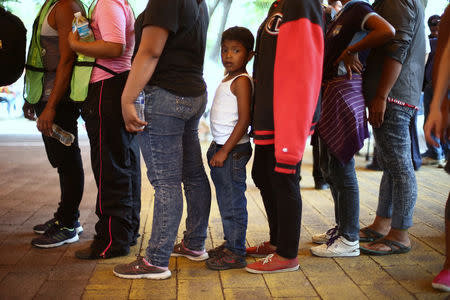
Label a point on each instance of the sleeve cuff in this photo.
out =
(285, 168)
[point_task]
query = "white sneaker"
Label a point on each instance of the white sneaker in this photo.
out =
(322, 238)
(338, 246)
(428, 161)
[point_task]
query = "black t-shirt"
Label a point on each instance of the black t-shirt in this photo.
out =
(180, 67)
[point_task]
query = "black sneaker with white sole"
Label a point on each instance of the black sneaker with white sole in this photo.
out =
(55, 236)
(42, 228)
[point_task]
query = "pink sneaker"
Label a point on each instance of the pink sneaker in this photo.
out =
(261, 250)
(442, 281)
(273, 264)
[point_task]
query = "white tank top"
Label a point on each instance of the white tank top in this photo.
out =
(224, 112)
(46, 29)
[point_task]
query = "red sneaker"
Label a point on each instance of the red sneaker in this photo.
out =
(261, 250)
(442, 281)
(273, 264)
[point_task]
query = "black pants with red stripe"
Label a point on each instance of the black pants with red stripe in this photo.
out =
(282, 200)
(115, 160)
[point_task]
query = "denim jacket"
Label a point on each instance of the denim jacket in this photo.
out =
(407, 47)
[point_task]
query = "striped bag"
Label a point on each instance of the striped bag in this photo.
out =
(343, 121)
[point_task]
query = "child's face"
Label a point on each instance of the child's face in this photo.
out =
(234, 56)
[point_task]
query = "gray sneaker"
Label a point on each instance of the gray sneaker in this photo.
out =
(140, 268)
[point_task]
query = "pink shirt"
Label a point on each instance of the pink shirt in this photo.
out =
(113, 21)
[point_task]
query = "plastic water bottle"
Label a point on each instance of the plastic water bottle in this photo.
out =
(139, 104)
(61, 135)
(81, 24)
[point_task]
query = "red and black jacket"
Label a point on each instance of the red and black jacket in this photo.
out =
(287, 74)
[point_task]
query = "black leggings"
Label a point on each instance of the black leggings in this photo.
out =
(282, 201)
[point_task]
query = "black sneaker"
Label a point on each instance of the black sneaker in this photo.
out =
(214, 252)
(42, 228)
(55, 236)
(91, 253)
(226, 260)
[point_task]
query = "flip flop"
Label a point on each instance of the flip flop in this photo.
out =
(396, 248)
(371, 235)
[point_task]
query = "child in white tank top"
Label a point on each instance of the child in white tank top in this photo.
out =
(230, 150)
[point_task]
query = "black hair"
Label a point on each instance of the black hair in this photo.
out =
(240, 34)
(434, 20)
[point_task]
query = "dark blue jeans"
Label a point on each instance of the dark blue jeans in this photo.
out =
(398, 187)
(171, 150)
(67, 160)
(229, 181)
(344, 189)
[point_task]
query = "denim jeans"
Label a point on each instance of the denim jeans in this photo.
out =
(433, 151)
(398, 187)
(171, 150)
(229, 181)
(344, 189)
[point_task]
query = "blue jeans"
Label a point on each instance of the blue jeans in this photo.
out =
(171, 150)
(229, 181)
(398, 187)
(433, 151)
(344, 189)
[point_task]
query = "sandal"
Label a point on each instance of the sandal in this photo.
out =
(396, 248)
(371, 235)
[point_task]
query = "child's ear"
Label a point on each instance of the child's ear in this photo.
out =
(250, 55)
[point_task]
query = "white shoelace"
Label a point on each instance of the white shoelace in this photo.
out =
(267, 259)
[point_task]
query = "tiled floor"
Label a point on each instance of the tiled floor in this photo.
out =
(29, 192)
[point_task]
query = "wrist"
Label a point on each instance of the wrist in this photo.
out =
(349, 51)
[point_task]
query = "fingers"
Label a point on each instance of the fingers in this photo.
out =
(357, 67)
(376, 119)
(215, 163)
(44, 126)
(135, 125)
(28, 112)
(349, 72)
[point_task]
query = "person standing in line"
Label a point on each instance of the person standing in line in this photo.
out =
(115, 156)
(392, 85)
(287, 73)
(342, 125)
(48, 73)
(230, 149)
(169, 64)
